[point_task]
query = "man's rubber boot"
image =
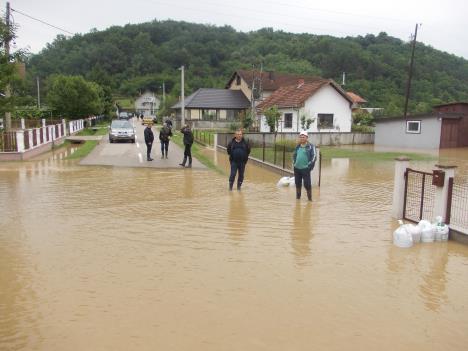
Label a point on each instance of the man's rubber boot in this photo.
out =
(298, 193)
(230, 186)
(183, 162)
(189, 162)
(309, 194)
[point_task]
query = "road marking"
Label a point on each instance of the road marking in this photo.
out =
(140, 158)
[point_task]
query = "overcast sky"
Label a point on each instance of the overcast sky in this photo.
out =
(443, 22)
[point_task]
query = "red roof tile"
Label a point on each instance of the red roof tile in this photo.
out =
(356, 98)
(295, 95)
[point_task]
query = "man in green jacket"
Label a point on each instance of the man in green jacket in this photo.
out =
(304, 158)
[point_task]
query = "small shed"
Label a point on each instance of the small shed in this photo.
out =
(445, 127)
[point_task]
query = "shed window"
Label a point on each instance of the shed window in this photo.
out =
(238, 80)
(413, 127)
(288, 117)
(325, 120)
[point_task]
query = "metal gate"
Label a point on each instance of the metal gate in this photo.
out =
(419, 196)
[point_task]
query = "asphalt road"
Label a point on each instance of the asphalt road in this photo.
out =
(126, 154)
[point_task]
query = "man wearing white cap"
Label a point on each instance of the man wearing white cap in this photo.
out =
(304, 161)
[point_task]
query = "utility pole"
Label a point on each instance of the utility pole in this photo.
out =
(38, 93)
(7, 53)
(164, 92)
(182, 121)
(410, 73)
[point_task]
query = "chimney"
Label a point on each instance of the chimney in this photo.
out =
(271, 75)
(300, 83)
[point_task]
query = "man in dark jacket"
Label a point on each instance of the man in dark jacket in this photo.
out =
(238, 150)
(164, 136)
(188, 141)
(149, 138)
(304, 157)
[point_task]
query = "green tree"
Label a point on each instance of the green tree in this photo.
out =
(74, 97)
(272, 116)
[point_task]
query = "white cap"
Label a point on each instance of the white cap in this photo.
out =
(304, 133)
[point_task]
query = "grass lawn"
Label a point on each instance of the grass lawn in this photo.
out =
(333, 152)
(196, 152)
(83, 150)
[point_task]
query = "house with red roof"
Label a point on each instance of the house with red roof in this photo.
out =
(322, 101)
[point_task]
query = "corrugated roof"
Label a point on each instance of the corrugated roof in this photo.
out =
(215, 99)
(271, 80)
(295, 95)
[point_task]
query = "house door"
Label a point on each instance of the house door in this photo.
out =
(449, 133)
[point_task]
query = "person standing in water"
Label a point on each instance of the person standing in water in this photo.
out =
(238, 150)
(164, 136)
(149, 138)
(188, 141)
(304, 158)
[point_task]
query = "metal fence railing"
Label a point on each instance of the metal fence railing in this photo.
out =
(458, 203)
(419, 196)
(204, 136)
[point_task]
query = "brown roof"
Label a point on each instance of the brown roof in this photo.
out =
(356, 98)
(271, 80)
(295, 95)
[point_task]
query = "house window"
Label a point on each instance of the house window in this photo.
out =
(325, 121)
(238, 80)
(232, 115)
(209, 115)
(413, 127)
(288, 120)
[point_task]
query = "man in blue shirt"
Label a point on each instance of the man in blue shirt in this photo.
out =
(304, 158)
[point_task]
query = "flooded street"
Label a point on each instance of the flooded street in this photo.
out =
(107, 258)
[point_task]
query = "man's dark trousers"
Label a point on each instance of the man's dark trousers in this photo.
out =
(237, 167)
(148, 150)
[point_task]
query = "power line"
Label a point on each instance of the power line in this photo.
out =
(43, 22)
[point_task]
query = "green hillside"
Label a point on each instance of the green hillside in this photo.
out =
(135, 57)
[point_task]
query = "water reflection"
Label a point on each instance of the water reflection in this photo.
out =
(301, 231)
(238, 216)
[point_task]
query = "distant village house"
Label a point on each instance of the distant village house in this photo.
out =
(147, 104)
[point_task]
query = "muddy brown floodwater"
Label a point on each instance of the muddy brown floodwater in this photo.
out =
(102, 258)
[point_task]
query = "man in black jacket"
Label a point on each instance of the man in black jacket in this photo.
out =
(238, 150)
(164, 136)
(149, 138)
(188, 141)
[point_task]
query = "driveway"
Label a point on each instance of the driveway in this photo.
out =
(126, 154)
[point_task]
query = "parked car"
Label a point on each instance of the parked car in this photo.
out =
(124, 115)
(121, 130)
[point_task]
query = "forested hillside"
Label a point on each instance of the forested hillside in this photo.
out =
(135, 57)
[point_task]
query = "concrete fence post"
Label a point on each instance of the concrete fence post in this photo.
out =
(20, 140)
(43, 122)
(441, 192)
(23, 124)
(38, 135)
(44, 134)
(215, 141)
(30, 134)
(401, 163)
(72, 129)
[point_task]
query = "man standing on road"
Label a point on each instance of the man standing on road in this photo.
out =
(164, 136)
(304, 157)
(238, 150)
(149, 138)
(188, 141)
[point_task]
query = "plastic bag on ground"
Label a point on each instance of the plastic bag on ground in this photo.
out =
(441, 230)
(402, 237)
(415, 232)
(284, 181)
(427, 231)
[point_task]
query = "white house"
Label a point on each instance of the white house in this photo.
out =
(147, 104)
(323, 102)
